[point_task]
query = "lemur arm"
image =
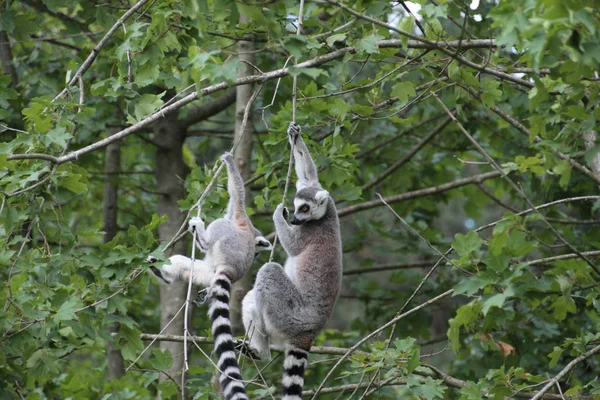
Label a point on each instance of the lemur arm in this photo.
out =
(196, 226)
(285, 232)
(306, 171)
(235, 186)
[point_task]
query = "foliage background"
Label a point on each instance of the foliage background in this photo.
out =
(521, 79)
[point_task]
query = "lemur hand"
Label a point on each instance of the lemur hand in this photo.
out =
(281, 210)
(196, 224)
(227, 158)
(294, 132)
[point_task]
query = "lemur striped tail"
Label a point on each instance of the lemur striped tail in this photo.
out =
(218, 311)
(293, 373)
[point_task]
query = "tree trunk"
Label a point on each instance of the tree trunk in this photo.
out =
(170, 174)
(8, 67)
(112, 162)
(243, 157)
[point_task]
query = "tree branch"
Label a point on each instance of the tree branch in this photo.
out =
(92, 56)
(407, 157)
(342, 212)
(389, 267)
(208, 340)
(267, 76)
(518, 189)
(518, 126)
(565, 370)
(58, 15)
(377, 331)
(205, 111)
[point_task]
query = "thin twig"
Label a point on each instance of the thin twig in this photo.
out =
(92, 56)
(565, 370)
(514, 185)
(377, 331)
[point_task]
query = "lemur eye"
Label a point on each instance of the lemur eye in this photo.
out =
(304, 208)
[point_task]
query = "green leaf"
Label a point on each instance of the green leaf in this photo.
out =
(58, 136)
(128, 340)
(496, 300)
(66, 312)
(467, 244)
(254, 13)
(403, 90)
(161, 360)
(368, 44)
(168, 390)
(490, 93)
(147, 104)
(339, 37)
(466, 316)
(555, 356)
(73, 183)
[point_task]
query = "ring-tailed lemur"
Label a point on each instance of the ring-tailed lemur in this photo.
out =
(289, 306)
(203, 270)
(230, 244)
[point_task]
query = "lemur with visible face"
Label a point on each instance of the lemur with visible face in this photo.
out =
(290, 305)
(230, 244)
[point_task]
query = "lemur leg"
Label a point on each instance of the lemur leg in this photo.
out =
(254, 326)
(306, 171)
(279, 303)
(236, 208)
(179, 269)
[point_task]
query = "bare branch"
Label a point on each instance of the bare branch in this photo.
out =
(376, 332)
(565, 370)
(514, 186)
(389, 267)
(267, 76)
(58, 15)
(208, 340)
(518, 126)
(90, 59)
(342, 212)
(407, 157)
(205, 111)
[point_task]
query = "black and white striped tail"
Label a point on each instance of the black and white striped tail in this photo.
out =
(218, 311)
(294, 364)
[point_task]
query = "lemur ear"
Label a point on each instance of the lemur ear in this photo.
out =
(151, 259)
(321, 196)
(262, 244)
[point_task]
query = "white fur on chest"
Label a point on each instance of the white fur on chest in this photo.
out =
(290, 269)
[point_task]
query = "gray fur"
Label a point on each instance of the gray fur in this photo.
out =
(290, 305)
(230, 243)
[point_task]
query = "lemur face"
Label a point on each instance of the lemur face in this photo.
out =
(310, 204)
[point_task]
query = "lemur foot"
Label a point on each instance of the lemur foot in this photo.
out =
(294, 132)
(201, 296)
(243, 347)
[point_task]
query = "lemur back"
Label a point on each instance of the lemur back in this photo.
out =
(230, 244)
(289, 306)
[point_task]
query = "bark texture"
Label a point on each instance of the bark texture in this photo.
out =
(170, 174)
(243, 158)
(8, 67)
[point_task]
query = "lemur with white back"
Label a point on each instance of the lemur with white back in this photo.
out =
(289, 306)
(230, 244)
